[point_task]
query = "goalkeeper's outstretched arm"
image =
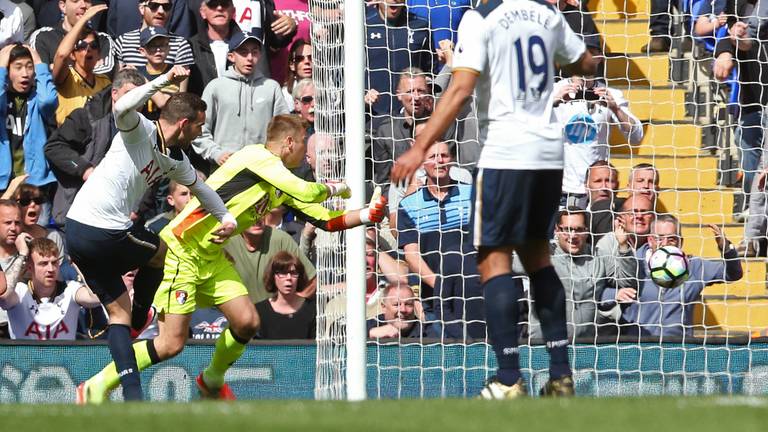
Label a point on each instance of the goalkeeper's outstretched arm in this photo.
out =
(330, 220)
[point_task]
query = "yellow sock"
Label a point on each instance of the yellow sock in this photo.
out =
(227, 351)
(108, 380)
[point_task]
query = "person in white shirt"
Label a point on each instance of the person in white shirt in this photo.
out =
(507, 54)
(43, 308)
(100, 236)
(586, 108)
(11, 24)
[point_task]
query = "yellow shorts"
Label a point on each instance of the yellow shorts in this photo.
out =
(191, 282)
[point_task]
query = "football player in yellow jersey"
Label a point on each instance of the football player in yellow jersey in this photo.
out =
(252, 182)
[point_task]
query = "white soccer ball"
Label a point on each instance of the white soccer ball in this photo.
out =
(668, 266)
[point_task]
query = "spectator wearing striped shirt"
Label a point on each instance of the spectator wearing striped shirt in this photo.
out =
(46, 40)
(155, 13)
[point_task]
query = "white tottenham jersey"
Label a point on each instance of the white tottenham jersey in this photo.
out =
(136, 161)
(514, 45)
(48, 319)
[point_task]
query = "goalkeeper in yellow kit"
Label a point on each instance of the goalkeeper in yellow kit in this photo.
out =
(251, 182)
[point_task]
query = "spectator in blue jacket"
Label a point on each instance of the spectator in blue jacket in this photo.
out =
(657, 311)
(395, 40)
(443, 17)
(27, 98)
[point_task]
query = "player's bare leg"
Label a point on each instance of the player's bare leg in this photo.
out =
(502, 293)
(243, 325)
(549, 301)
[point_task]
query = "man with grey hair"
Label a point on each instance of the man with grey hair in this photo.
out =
(395, 135)
(657, 311)
(80, 143)
(304, 100)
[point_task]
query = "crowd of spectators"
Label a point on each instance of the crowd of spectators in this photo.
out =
(64, 63)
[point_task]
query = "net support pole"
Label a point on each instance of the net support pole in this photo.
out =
(354, 120)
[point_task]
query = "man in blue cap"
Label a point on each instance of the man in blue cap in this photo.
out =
(240, 103)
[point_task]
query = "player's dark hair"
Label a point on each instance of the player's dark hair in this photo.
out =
(128, 76)
(282, 263)
(284, 125)
(19, 51)
(44, 247)
(182, 106)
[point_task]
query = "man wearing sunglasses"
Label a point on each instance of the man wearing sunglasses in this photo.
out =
(240, 104)
(210, 44)
(46, 40)
(74, 66)
(155, 13)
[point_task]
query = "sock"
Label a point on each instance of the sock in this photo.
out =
(501, 310)
(144, 288)
(228, 349)
(549, 300)
(119, 337)
(108, 379)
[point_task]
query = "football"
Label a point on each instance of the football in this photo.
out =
(668, 266)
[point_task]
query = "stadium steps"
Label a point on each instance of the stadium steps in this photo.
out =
(637, 70)
(688, 178)
(656, 102)
(735, 314)
(623, 36)
(699, 241)
(602, 10)
(752, 285)
(674, 171)
(679, 138)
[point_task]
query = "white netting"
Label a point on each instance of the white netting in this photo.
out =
(688, 130)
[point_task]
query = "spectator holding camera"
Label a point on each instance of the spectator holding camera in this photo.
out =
(588, 108)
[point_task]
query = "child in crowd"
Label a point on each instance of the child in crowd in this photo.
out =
(155, 46)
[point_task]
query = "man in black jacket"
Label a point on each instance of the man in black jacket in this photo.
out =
(74, 149)
(218, 23)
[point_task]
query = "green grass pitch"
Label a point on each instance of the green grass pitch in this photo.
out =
(723, 414)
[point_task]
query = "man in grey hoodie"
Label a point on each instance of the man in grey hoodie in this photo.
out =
(240, 103)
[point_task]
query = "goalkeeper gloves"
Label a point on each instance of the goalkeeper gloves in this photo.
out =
(339, 189)
(374, 213)
(376, 208)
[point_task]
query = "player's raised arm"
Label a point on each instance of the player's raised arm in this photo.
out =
(125, 108)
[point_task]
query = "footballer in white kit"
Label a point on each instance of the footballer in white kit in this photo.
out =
(102, 240)
(507, 54)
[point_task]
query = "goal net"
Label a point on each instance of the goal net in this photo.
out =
(696, 133)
